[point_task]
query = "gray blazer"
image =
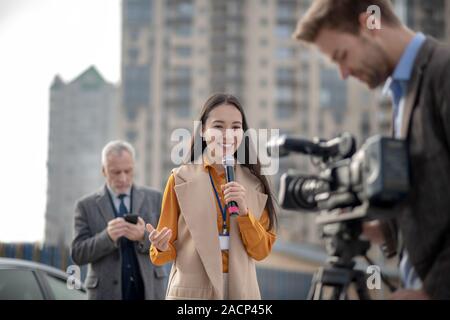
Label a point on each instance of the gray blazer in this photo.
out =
(93, 246)
(424, 217)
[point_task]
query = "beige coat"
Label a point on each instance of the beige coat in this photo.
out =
(197, 270)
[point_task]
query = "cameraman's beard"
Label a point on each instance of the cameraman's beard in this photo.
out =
(376, 66)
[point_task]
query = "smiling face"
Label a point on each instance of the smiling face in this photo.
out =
(223, 131)
(360, 56)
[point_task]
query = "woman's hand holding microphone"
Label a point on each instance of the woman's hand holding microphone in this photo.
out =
(234, 191)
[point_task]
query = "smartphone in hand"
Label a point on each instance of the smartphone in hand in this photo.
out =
(131, 218)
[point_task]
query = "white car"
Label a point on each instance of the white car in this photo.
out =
(27, 280)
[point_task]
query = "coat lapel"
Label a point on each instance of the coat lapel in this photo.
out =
(137, 200)
(415, 85)
(104, 204)
(196, 200)
(241, 276)
(255, 200)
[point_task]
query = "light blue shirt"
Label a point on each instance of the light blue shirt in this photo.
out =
(397, 85)
(116, 200)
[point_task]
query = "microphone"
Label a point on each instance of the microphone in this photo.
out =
(228, 163)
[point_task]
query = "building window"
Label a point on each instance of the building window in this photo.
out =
(139, 12)
(136, 86)
(184, 110)
(263, 104)
(234, 7)
(133, 55)
(333, 89)
(263, 83)
(286, 10)
(284, 31)
(233, 48)
(201, 30)
(263, 62)
(284, 53)
(186, 9)
(285, 110)
(182, 72)
(183, 30)
(263, 22)
(263, 42)
(286, 75)
(183, 51)
(131, 136)
(285, 94)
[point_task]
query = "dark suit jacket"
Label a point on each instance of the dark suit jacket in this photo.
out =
(424, 217)
(93, 246)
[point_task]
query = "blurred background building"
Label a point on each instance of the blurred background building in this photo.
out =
(83, 118)
(175, 53)
(430, 17)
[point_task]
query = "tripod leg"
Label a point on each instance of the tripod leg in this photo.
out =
(315, 291)
(337, 293)
(361, 285)
(317, 295)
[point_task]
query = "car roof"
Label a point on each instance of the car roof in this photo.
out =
(25, 264)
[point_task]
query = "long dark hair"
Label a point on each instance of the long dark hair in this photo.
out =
(197, 142)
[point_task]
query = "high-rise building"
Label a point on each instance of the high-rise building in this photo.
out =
(175, 53)
(83, 118)
(430, 17)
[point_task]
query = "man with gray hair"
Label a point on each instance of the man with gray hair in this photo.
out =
(110, 232)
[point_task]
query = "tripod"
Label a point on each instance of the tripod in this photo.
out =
(343, 245)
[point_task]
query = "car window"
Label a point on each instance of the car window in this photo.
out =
(61, 291)
(18, 284)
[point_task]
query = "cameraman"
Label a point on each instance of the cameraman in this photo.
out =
(416, 72)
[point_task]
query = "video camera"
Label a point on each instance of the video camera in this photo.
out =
(367, 182)
(351, 186)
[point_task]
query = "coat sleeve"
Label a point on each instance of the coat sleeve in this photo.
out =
(170, 212)
(87, 247)
(437, 280)
(444, 105)
(256, 236)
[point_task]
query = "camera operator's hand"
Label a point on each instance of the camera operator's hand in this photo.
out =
(407, 294)
(234, 191)
(372, 231)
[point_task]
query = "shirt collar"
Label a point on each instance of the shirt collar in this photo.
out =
(404, 68)
(206, 161)
(115, 195)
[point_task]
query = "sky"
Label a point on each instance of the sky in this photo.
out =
(38, 40)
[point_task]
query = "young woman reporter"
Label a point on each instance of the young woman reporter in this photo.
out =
(213, 253)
